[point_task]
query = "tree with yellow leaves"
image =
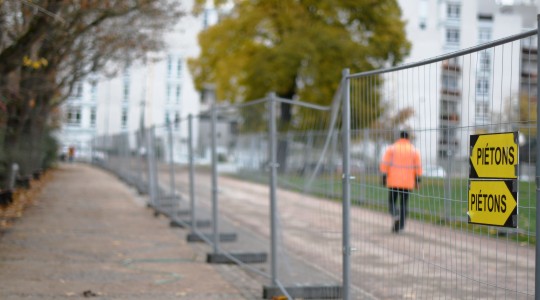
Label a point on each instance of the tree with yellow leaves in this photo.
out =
(297, 48)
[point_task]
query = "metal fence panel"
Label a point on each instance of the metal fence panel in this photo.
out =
(441, 104)
(306, 193)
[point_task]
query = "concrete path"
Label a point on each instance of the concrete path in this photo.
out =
(89, 236)
(426, 261)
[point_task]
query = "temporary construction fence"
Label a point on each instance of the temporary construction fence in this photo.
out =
(452, 107)
(300, 202)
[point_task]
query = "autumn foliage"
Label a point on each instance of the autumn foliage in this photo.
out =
(48, 46)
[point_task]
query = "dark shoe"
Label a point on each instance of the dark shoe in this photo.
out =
(395, 228)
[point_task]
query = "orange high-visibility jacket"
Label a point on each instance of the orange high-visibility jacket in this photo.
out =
(401, 163)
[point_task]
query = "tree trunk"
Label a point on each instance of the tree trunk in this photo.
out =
(284, 125)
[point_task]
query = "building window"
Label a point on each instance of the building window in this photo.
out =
(78, 90)
(449, 107)
(93, 91)
(484, 35)
(451, 64)
(169, 66)
(124, 120)
(126, 88)
(93, 117)
(169, 92)
(422, 14)
(422, 24)
(177, 120)
(444, 153)
(452, 36)
(448, 133)
(450, 82)
(485, 61)
(482, 109)
(482, 86)
(179, 68)
(206, 18)
(178, 92)
(453, 10)
(485, 17)
(73, 116)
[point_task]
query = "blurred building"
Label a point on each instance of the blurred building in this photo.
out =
(462, 90)
(157, 90)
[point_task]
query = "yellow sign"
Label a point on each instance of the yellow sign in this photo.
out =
(494, 155)
(493, 202)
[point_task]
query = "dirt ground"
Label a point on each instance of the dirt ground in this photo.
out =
(87, 235)
(426, 261)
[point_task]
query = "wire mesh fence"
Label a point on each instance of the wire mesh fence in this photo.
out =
(442, 103)
(302, 204)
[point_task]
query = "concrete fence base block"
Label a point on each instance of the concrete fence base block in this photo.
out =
(23, 182)
(36, 175)
(187, 223)
(305, 292)
(166, 205)
(172, 198)
(223, 237)
(158, 211)
(246, 258)
(6, 198)
(183, 212)
(141, 189)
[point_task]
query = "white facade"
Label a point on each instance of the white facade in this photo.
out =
(161, 85)
(455, 94)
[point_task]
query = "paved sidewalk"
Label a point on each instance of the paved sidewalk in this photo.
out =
(89, 236)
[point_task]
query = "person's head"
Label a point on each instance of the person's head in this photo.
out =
(404, 134)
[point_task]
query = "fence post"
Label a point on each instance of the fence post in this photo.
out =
(447, 195)
(13, 175)
(536, 269)
(140, 158)
(307, 158)
(155, 168)
(332, 163)
(191, 172)
(346, 205)
(151, 167)
(149, 164)
(215, 223)
(126, 159)
(171, 165)
(272, 163)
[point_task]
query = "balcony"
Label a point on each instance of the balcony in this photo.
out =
(528, 77)
(449, 67)
(529, 50)
(528, 74)
(450, 92)
(450, 117)
(447, 149)
(449, 143)
(528, 88)
(481, 120)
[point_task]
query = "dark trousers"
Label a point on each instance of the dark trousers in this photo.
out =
(403, 195)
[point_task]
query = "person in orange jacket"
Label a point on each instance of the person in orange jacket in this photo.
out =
(401, 168)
